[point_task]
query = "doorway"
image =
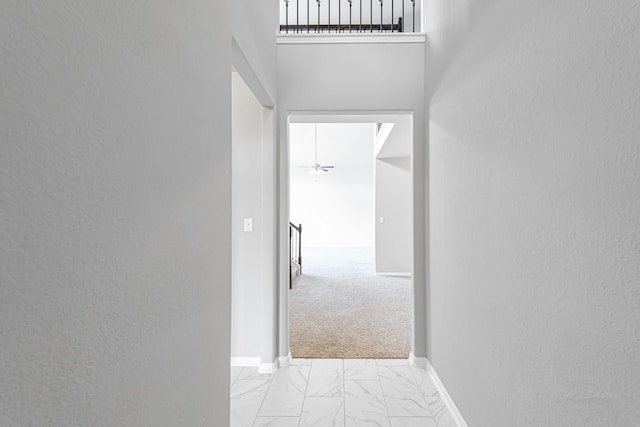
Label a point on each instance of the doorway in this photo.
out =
(354, 297)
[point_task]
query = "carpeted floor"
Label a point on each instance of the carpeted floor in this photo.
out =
(340, 309)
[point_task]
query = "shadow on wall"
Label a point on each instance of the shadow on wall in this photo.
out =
(399, 162)
(456, 25)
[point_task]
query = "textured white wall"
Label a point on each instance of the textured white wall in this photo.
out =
(535, 195)
(336, 208)
(115, 213)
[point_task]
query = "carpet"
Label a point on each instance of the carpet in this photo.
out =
(339, 309)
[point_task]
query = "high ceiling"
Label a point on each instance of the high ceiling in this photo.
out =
(340, 144)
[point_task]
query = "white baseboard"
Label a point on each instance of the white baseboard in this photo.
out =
(383, 273)
(420, 362)
(268, 368)
(285, 360)
(444, 395)
(245, 361)
(263, 368)
(337, 246)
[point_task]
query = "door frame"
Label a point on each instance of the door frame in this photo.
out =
(419, 218)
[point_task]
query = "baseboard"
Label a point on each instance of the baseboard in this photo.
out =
(383, 273)
(268, 368)
(420, 362)
(337, 246)
(284, 360)
(245, 361)
(444, 395)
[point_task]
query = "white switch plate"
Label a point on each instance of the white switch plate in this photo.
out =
(381, 220)
(248, 224)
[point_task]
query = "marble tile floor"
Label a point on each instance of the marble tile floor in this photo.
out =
(337, 392)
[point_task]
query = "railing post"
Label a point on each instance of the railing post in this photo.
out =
(414, 16)
(286, 2)
(381, 28)
(289, 263)
(300, 247)
(308, 17)
(350, 10)
(297, 16)
(371, 17)
(392, 17)
(318, 27)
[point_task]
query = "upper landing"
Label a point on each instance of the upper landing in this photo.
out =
(350, 21)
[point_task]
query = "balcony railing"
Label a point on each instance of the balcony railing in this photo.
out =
(348, 16)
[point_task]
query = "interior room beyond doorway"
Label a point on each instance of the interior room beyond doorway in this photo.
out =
(352, 196)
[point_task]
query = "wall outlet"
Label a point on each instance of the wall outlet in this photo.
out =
(248, 224)
(381, 220)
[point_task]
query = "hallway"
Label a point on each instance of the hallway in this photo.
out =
(125, 188)
(337, 392)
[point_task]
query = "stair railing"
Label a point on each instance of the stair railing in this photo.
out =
(295, 248)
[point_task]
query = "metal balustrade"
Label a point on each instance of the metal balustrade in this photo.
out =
(346, 16)
(295, 249)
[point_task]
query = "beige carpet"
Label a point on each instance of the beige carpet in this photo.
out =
(340, 309)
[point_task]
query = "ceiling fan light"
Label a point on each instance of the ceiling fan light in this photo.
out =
(316, 171)
(317, 168)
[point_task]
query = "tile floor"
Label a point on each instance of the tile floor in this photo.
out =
(337, 392)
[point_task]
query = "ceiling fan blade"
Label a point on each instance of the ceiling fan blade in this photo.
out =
(328, 167)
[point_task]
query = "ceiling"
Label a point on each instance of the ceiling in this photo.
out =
(347, 140)
(344, 145)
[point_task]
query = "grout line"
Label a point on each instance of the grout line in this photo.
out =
(378, 379)
(415, 380)
(384, 395)
(231, 383)
(304, 398)
(344, 395)
(263, 398)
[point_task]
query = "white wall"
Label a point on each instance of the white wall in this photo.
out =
(393, 252)
(115, 200)
(254, 27)
(373, 77)
(336, 208)
(535, 184)
(248, 278)
(254, 58)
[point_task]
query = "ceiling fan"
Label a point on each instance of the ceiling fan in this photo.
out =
(317, 168)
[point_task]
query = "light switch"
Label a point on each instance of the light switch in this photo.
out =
(248, 224)
(381, 220)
